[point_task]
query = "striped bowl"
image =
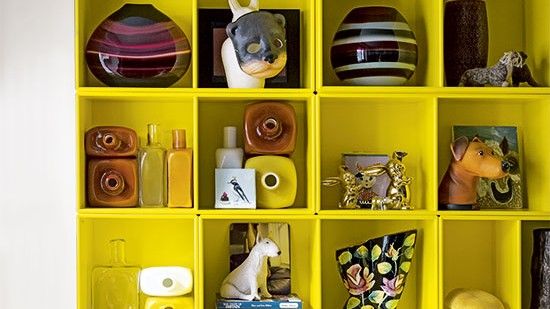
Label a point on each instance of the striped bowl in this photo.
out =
(138, 46)
(374, 45)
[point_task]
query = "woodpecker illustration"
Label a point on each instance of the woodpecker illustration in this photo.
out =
(237, 188)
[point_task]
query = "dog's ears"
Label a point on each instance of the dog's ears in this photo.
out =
(258, 238)
(476, 139)
(231, 30)
(458, 147)
(280, 19)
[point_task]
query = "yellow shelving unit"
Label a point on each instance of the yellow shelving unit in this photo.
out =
(486, 249)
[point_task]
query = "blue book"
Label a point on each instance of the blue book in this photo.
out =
(291, 301)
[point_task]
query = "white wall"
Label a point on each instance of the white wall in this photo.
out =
(37, 155)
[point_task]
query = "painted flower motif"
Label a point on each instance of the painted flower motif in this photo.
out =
(395, 286)
(358, 283)
(392, 253)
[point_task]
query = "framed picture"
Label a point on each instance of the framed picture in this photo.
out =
(212, 23)
(235, 188)
(354, 161)
(505, 192)
(242, 237)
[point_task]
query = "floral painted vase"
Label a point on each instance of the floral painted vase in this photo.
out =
(375, 271)
(138, 46)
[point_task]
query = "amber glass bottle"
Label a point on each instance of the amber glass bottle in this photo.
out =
(179, 161)
(152, 174)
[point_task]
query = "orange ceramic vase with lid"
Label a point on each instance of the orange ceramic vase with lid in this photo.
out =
(270, 128)
(112, 182)
(112, 166)
(111, 141)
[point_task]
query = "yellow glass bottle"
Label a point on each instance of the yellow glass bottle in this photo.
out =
(179, 162)
(152, 174)
(116, 285)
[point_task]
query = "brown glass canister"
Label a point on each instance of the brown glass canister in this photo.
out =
(269, 128)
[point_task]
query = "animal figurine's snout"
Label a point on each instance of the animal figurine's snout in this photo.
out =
(279, 253)
(270, 58)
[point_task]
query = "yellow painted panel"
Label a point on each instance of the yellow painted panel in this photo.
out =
(536, 13)
(90, 14)
(530, 115)
(216, 113)
(380, 125)
(423, 17)
(421, 283)
(303, 246)
(149, 242)
(482, 254)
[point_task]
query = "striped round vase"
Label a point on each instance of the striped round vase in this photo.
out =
(374, 45)
(138, 46)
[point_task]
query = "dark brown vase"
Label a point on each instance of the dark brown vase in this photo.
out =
(269, 128)
(540, 270)
(466, 38)
(111, 142)
(112, 183)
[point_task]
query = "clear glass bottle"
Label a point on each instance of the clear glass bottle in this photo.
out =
(229, 156)
(179, 161)
(152, 173)
(116, 285)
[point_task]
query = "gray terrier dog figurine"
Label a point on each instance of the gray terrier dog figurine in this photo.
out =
(523, 74)
(499, 75)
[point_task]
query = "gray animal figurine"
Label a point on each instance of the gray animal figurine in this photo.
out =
(499, 75)
(523, 74)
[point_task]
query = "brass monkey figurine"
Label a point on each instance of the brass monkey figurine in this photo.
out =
(398, 194)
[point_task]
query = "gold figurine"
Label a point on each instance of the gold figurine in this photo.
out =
(352, 184)
(397, 194)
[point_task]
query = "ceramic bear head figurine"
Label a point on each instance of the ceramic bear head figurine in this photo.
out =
(260, 43)
(256, 47)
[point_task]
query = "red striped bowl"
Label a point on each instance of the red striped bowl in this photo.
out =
(374, 46)
(138, 46)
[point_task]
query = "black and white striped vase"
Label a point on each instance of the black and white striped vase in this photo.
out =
(374, 46)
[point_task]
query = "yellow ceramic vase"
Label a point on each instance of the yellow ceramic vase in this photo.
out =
(169, 303)
(276, 181)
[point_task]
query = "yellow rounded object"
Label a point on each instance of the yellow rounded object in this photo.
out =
(276, 181)
(169, 303)
(471, 299)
